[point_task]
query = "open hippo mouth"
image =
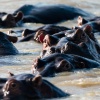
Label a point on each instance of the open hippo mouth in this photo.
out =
(39, 36)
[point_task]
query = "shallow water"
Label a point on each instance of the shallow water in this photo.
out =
(83, 85)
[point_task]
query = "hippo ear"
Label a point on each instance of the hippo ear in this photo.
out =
(88, 29)
(63, 66)
(10, 74)
(81, 21)
(78, 33)
(12, 38)
(18, 16)
(37, 80)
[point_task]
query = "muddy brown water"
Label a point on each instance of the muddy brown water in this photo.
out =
(83, 85)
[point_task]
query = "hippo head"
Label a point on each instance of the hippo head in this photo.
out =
(39, 36)
(49, 41)
(49, 68)
(9, 20)
(6, 47)
(23, 89)
(81, 21)
(77, 36)
(50, 50)
(70, 48)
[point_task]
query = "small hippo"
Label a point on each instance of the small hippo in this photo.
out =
(6, 47)
(30, 87)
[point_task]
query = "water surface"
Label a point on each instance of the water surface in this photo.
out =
(83, 85)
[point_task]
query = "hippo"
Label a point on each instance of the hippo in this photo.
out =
(30, 87)
(48, 14)
(6, 47)
(39, 33)
(81, 40)
(94, 23)
(57, 62)
(9, 20)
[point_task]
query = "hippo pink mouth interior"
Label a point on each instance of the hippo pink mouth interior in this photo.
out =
(41, 37)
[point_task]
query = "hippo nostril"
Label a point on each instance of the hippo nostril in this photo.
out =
(58, 50)
(52, 50)
(82, 35)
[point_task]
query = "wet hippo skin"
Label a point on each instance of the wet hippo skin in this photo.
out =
(57, 62)
(6, 47)
(9, 20)
(94, 23)
(41, 14)
(30, 87)
(78, 42)
(39, 34)
(50, 14)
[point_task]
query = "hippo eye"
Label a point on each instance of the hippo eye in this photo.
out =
(13, 85)
(83, 35)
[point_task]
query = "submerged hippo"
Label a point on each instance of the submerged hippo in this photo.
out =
(49, 14)
(30, 87)
(6, 47)
(57, 62)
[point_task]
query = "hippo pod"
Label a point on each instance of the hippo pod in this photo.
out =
(6, 47)
(39, 33)
(57, 62)
(79, 42)
(30, 87)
